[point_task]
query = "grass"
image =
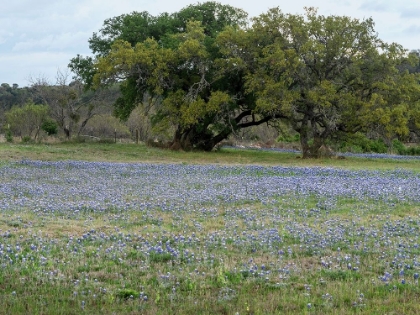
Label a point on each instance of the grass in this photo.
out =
(249, 250)
(132, 153)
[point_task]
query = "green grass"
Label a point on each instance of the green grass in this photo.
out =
(132, 153)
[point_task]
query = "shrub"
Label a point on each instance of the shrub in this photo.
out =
(26, 139)
(399, 147)
(413, 151)
(26, 120)
(50, 127)
(9, 136)
(125, 294)
(359, 143)
(288, 138)
(378, 146)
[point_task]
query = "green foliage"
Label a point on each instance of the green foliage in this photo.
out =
(83, 66)
(340, 275)
(322, 74)
(359, 143)
(50, 126)
(9, 136)
(126, 294)
(205, 73)
(413, 150)
(26, 139)
(288, 138)
(107, 141)
(171, 64)
(26, 121)
(70, 105)
(160, 257)
(401, 149)
(127, 102)
(13, 95)
(378, 146)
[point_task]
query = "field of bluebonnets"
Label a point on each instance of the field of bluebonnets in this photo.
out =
(129, 238)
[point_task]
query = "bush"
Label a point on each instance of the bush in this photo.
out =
(378, 146)
(401, 149)
(25, 121)
(125, 294)
(288, 138)
(9, 136)
(26, 139)
(50, 127)
(359, 143)
(413, 151)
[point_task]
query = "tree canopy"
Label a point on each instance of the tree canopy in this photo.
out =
(208, 72)
(26, 121)
(176, 72)
(325, 75)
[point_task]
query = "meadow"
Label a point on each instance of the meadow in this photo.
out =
(124, 229)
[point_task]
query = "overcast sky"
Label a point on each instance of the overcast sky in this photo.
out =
(39, 37)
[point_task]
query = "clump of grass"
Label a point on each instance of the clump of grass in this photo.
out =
(160, 257)
(126, 294)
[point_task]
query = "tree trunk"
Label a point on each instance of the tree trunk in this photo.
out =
(310, 150)
(176, 142)
(190, 139)
(67, 132)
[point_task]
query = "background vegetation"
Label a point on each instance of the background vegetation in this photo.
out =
(206, 74)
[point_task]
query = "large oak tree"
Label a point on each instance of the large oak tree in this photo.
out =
(325, 75)
(208, 73)
(175, 70)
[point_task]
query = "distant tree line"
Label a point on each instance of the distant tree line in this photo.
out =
(208, 71)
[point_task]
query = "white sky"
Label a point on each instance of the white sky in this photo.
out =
(39, 37)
